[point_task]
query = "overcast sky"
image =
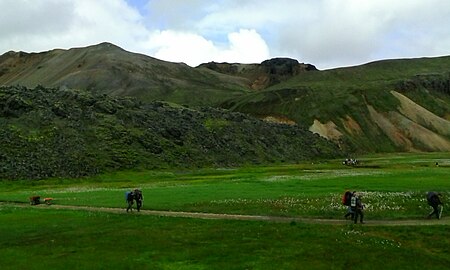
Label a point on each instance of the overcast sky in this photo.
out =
(325, 33)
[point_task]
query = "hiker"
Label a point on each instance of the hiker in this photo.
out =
(130, 198)
(434, 201)
(139, 198)
(346, 200)
(357, 207)
(35, 200)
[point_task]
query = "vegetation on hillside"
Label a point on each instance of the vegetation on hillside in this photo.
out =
(50, 132)
(108, 69)
(353, 106)
(343, 96)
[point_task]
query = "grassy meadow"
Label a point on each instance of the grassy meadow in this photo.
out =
(392, 186)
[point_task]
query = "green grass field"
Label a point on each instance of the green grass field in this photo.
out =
(393, 188)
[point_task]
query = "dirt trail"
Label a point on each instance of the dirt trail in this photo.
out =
(411, 222)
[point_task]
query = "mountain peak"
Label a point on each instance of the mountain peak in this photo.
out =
(104, 46)
(287, 64)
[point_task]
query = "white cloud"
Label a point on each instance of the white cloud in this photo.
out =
(47, 24)
(176, 46)
(326, 33)
(245, 46)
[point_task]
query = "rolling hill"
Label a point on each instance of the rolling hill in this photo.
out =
(384, 106)
(108, 69)
(53, 132)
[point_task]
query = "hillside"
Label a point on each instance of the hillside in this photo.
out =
(52, 132)
(261, 76)
(108, 69)
(385, 106)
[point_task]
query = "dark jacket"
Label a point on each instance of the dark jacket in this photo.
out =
(138, 196)
(433, 198)
(359, 204)
(130, 197)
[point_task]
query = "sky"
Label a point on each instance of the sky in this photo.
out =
(325, 33)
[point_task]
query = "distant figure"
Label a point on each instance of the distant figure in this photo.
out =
(437, 164)
(350, 162)
(35, 200)
(48, 201)
(139, 198)
(346, 200)
(434, 201)
(130, 198)
(357, 207)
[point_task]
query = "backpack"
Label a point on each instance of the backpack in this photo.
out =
(346, 198)
(128, 196)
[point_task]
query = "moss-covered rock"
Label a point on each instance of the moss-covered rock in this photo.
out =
(72, 133)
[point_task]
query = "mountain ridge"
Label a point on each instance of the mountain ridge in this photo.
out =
(108, 69)
(353, 105)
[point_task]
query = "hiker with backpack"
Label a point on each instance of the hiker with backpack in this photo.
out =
(346, 199)
(129, 199)
(433, 199)
(357, 207)
(139, 198)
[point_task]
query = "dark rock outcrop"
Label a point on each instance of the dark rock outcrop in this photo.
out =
(262, 75)
(285, 67)
(51, 132)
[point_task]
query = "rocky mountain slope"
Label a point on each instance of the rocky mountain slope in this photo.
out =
(384, 106)
(108, 69)
(261, 76)
(52, 132)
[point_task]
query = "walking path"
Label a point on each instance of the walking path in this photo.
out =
(410, 222)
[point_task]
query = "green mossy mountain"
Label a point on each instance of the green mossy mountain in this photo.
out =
(58, 132)
(400, 105)
(108, 69)
(386, 106)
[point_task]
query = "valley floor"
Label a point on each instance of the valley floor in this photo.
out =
(409, 222)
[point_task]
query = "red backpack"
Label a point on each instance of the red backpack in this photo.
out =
(346, 198)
